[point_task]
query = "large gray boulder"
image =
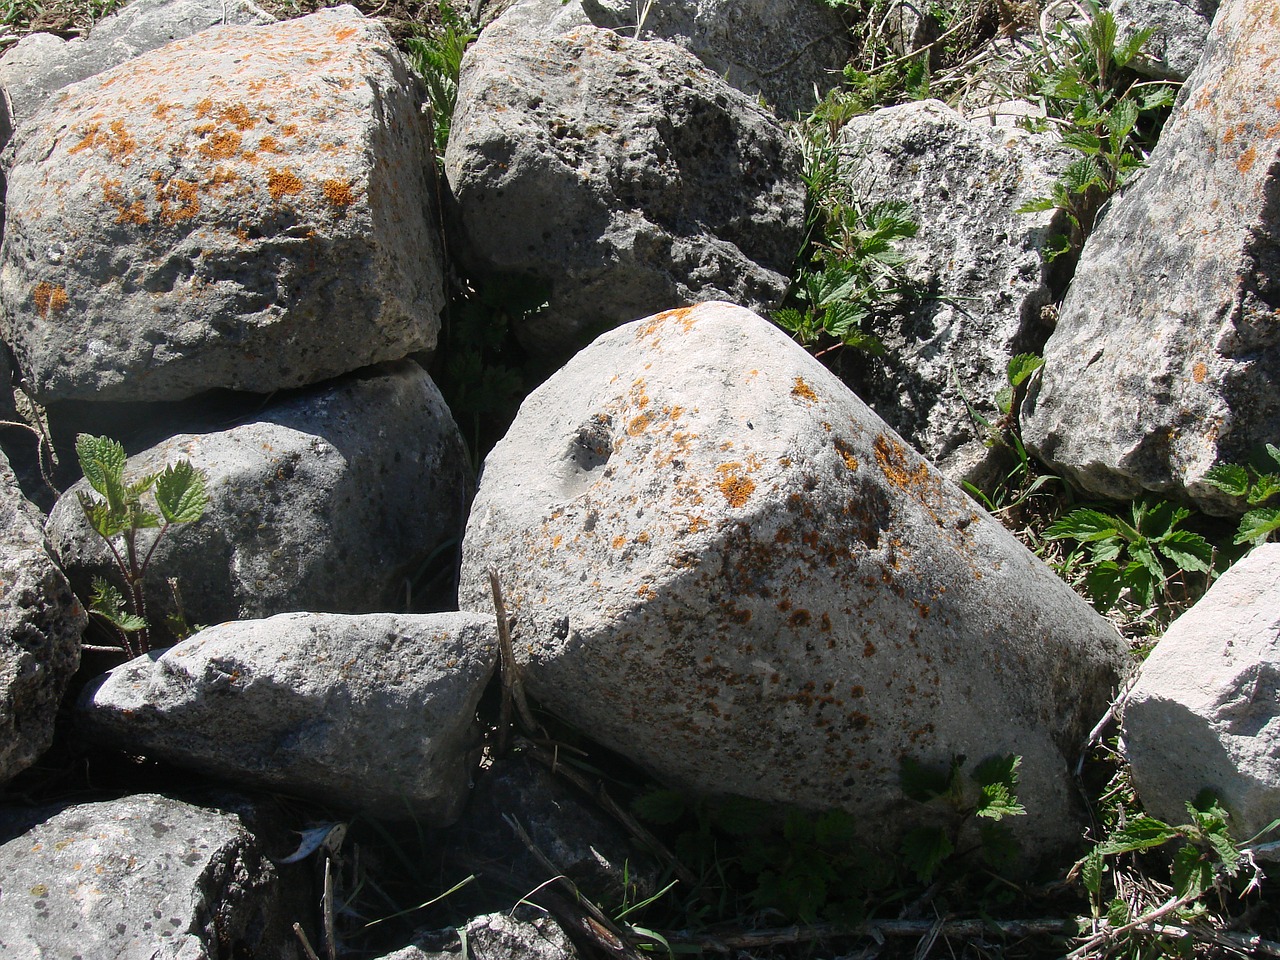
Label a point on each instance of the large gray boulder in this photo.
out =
(723, 565)
(1205, 712)
(374, 713)
(327, 501)
(40, 63)
(978, 258)
(249, 208)
(141, 878)
(40, 626)
(1179, 30)
(1167, 352)
(787, 52)
(622, 175)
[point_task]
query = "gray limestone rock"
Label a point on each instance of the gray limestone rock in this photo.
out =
(199, 217)
(1205, 712)
(496, 936)
(39, 64)
(723, 565)
(141, 878)
(40, 626)
(327, 501)
(1167, 350)
(782, 51)
(1179, 30)
(374, 713)
(620, 174)
(977, 258)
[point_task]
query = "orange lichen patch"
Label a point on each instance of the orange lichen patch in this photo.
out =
(345, 34)
(221, 146)
(118, 143)
(803, 391)
(697, 523)
(1246, 161)
(222, 176)
(127, 211)
(868, 649)
(289, 130)
(1230, 135)
(638, 425)
(1199, 371)
(735, 487)
(162, 111)
(281, 183)
(237, 114)
(49, 298)
(338, 193)
(892, 460)
(619, 542)
(179, 200)
(682, 316)
(846, 454)
(270, 145)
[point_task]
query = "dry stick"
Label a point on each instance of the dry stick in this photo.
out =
(512, 691)
(330, 939)
(306, 944)
(875, 929)
(1111, 933)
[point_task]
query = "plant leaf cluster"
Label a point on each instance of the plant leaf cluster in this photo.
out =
(437, 58)
(1256, 484)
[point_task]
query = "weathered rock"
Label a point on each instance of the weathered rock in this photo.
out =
(621, 174)
(141, 878)
(1179, 29)
(1205, 712)
(1167, 352)
(199, 217)
(979, 260)
(40, 626)
(40, 63)
(780, 51)
(374, 712)
(724, 566)
(496, 936)
(328, 501)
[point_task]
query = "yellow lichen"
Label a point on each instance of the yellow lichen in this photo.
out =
(221, 146)
(338, 193)
(803, 391)
(49, 298)
(1246, 161)
(281, 183)
(179, 200)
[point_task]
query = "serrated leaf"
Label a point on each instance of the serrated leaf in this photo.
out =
(924, 849)
(1117, 913)
(1191, 872)
(1120, 122)
(998, 802)
(1231, 478)
(1002, 769)
(1084, 141)
(1022, 366)
(1265, 486)
(1140, 583)
(1141, 833)
(1092, 867)
(1257, 525)
(922, 783)
(180, 493)
(739, 816)
(1104, 585)
(1037, 205)
(1144, 553)
(102, 462)
(100, 516)
(1084, 525)
(1000, 848)
(1133, 46)
(108, 603)
(660, 806)
(1188, 550)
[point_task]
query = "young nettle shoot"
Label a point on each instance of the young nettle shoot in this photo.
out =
(118, 515)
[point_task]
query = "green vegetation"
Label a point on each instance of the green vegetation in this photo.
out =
(1256, 484)
(118, 513)
(436, 55)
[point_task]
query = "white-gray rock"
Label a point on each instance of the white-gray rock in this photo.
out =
(495, 936)
(1205, 712)
(326, 501)
(40, 626)
(141, 878)
(250, 208)
(723, 565)
(374, 713)
(979, 260)
(621, 174)
(40, 63)
(1167, 350)
(1179, 29)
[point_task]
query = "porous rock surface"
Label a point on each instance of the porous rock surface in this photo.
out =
(1205, 712)
(1179, 29)
(782, 50)
(620, 174)
(40, 63)
(144, 877)
(1167, 350)
(374, 713)
(327, 501)
(40, 626)
(249, 208)
(978, 258)
(495, 936)
(726, 567)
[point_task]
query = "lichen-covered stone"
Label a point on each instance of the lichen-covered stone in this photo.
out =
(40, 626)
(374, 713)
(1205, 712)
(329, 500)
(620, 174)
(249, 208)
(722, 564)
(1167, 349)
(141, 878)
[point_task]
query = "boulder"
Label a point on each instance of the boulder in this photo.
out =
(39, 64)
(141, 878)
(1167, 351)
(40, 626)
(785, 52)
(1205, 712)
(978, 258)
(330, 500)
(620, 174)
(724, 566)
(1179, 30)
(374, 713)
(250, 208)
(495, 936)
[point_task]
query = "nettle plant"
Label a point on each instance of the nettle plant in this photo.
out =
(118, 515)
(1256, 483)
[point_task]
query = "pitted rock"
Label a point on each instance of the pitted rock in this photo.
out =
(1179, 29)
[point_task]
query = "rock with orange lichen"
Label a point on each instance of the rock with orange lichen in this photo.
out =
(1167, 351)
(622, 176)
(722, 564)
(252, 208)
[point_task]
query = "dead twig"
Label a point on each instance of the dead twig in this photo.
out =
(512, 690)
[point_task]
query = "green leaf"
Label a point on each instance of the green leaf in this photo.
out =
(1120, 123)
(1000, 848)
(1191, 872)
(1257, 525)
(180, 493)
(924, 849)
(1266, 486)
(1188, 550)
(1133, 46)
(108, 603)
(921, 783)
(1084, 525)
(740, 816)
(102, 461)
(1231, 478)
(1001, 769)
(834, 828)
(1141, 833)
(1084, 141)
(1143, 553)
(100, 516)
(1118, 913)
(998, 802)
(660, 806)
(1273, 452)
(1140, 583)
(1092, 867)
(1021, 367)
(1037, 205)
(1104, 584)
